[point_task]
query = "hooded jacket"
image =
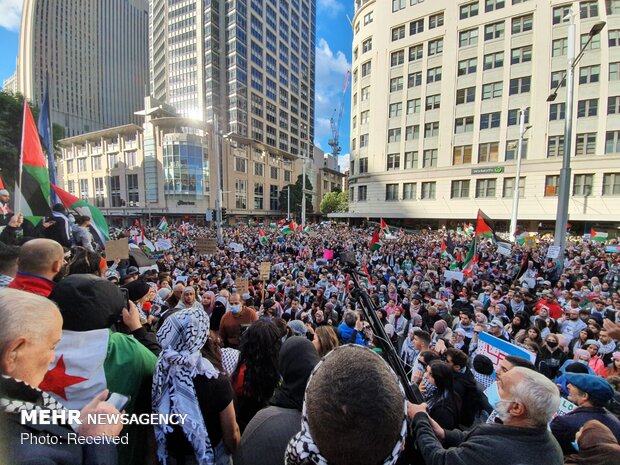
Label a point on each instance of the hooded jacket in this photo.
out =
(597, 446)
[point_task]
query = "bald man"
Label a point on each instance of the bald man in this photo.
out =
(39, 262)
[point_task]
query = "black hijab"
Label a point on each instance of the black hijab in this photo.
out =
(298, 357)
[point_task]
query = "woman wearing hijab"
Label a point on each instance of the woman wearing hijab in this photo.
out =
(208, 303)
(595, 444)
(265, 438)
(209, 433)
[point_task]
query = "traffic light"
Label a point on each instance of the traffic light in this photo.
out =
(224, 214)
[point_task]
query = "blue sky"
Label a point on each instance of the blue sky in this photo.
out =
(333, 59)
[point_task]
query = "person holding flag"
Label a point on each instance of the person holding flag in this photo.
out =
(5, 210)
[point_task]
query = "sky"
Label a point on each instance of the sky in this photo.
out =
(333, 59)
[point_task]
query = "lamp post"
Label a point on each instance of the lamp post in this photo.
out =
(565, 173)
(515, 193)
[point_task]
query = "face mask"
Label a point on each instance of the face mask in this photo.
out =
(235, 308)
(575, 445)
(552, 344)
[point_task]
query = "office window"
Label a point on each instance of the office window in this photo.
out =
(462, 125)
(133, 192)
(614, 73)
(431, 129)
(589, 74)
(433, 75)
(365, 94)
(99, 192)
(414, 79)
(433, 102)
(611, 184)
(594, 44)
(69, 165)
(586, 144)
(398, 33)
(522, 24)
(274, 172)
(363, 165)
(555, 146)
(258, 196)
(521, 55)
(520, 85)
(366, 67)
(468, 38)
(393, 161)
(396, 109)
(415, 27)
(613, 37)
(394, 135)
(367, 45)
(582, 184)
(115, 191)
(409, 190)
(259, 169)
(556, 78)
(412, 132)
(513, 117)
(509, 187)
(435, 47)
(411, 160)
(560, 12)
(559, 47)
(362, 193)
(512, 149)
(240, 165)
(557, 111)
(468, 66)
(552, 185)
(84, 188)
(82, 164)
(494, 31)
(364, 116)
(492, 90)
(466, 95)
(586, 108)
(461, 155)
(396, 84)
(493, 60)
(398, 5)
(613, 7)
(416, 52)
(413, 106)
(492, 5)
(397, 58)
(459, 189)
(485, 188)
(589, 9)
(368, 18)
(429, 158)
(488, 152)
(435, 21)
(363, 140)
(428, 190)
(613, 105)
(391, 192)
(612, 142)
(274, 195)
(490, 120)
(469, 10)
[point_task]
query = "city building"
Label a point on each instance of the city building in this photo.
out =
(10, 84)
(93, 54)
(327, 174)
(437, 138)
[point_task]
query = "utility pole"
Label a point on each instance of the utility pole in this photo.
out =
(303, 192)
(217, 144)
(515, 192)
(288, 203)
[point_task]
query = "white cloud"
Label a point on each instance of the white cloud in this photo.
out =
(330, 7)
(11, 14)
(331, 69)
(344, 161)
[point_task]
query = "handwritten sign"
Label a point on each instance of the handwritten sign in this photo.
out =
(265, 270)
(117, 249)
(449, 276)
(236, 247)
(496, 349)
(504, 248)
(206, 245)
(163, 244)
(242, 286)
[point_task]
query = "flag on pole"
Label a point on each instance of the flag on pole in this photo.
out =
(2, 184)
(287, 229)
(263, 237)
(375, 243)
(598, 236)
(44, 126)
(307, 229)
(444, 250)
(482, 226)
(385, 229)
(148, 245)
(365, 270)
(163, 224)
(98, 223)
(469, 229)
(471, 259)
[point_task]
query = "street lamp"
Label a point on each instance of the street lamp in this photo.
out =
(565, 173)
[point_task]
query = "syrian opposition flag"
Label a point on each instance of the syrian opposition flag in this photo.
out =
(375, 243)
(385, 229)
(598, 236)
(163, 224)
(33, 191)
(263, 237)
(482, 226)
(98, 223)
(471, 259)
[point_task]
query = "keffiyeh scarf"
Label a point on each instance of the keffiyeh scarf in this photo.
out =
(182, 336)
(302, 450)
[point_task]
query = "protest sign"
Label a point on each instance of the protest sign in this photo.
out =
(449, 276)
(265, 269)
(144, 269)
(612, 248)
(236, 247)
(530, 242)
(242, 286)
(117, 249)
(206, 245)
(163, 244)
(496, 349)
(553, 251)
(504, 248)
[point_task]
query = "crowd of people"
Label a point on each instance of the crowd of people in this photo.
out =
(283, 367)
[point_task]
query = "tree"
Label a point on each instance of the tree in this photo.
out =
(295, 190)
(334, 202)
(11, 118)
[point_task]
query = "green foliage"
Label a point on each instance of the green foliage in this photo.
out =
(334, 202)
(296, 193)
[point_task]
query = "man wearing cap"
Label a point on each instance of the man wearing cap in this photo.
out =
(496, 328)
(590, 393)
(133, 273)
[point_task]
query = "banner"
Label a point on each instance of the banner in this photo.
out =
(117, 249)
(449, 276)
(553, 251)
(496, 349)
(504, 248)
(163, 244)
(238, 248)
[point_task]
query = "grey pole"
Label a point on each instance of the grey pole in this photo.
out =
(516, 193)
(288, 203)
(217, 144)
(303, 191)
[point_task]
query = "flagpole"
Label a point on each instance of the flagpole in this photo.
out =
(18, 188)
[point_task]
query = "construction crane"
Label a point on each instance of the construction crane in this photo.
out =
(335, 124)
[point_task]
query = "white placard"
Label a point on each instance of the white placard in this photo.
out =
(450, 275)
(553, 251)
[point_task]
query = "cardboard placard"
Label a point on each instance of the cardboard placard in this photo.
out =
(504, 248)
(117, 249)
(206, 245)
(265, 270)
(553, 251)
(448, 276)
(242, 286)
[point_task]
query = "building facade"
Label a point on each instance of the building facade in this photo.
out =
(437, 137)
(94, 56)
(10, 84)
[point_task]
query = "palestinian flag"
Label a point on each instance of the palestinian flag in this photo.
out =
(520, 235)
(385, 229)
(163, 224)
(469, 229)
(482, 226)
(365, 270)
(148, 245)
(444, 250)
(82, 368)
(33, 199)
(307, 229)
(471, 259)
(598, 236)
(287, 228)
(98, 224)
(263, 237)
(375, 243)
(2, 184)
(273, 225)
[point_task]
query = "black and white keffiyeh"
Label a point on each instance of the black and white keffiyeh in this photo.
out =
(302, 450)
(182, 336)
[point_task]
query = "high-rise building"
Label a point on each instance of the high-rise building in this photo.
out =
(245, 69)
(10, 84)
(94, 55)
(436, 91)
